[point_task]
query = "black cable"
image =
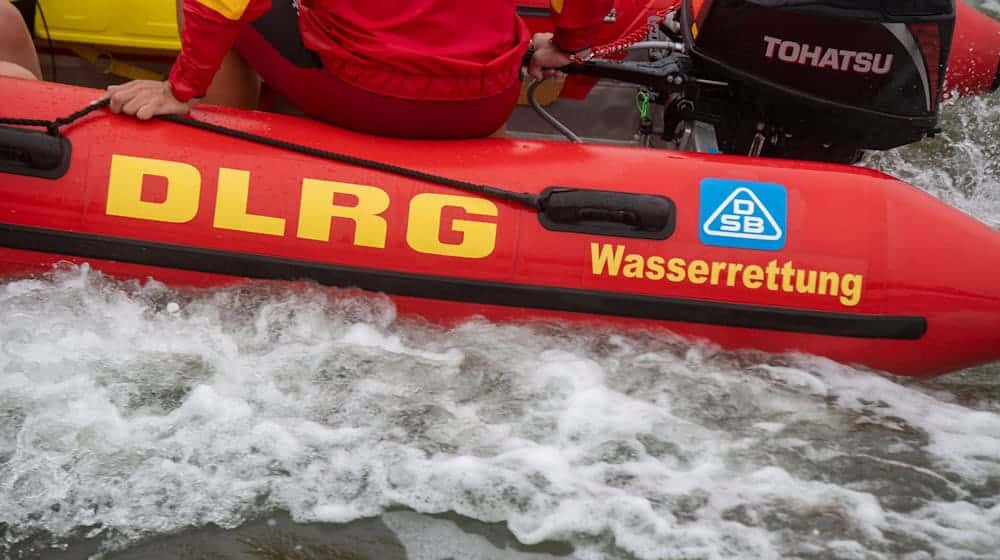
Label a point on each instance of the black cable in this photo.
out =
(48, 36)
(526, 199)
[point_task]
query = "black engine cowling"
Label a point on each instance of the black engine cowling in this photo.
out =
(821, 79)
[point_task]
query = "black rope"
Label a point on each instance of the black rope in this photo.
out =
(526, 199)
(53, 126)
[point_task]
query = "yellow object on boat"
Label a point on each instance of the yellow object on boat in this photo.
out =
(140, 24)
(111, 65)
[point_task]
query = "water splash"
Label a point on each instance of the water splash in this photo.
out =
(132, 409)
(961, 165)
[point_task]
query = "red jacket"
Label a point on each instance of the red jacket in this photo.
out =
(414, 49)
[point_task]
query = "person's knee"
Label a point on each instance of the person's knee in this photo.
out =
(17, 49)
(16, 71)
(13, 30)
(8, 10)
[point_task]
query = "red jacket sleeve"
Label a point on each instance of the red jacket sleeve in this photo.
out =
(210, 30)
(578, 22)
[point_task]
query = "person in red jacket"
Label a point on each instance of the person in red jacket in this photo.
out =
(405, 68)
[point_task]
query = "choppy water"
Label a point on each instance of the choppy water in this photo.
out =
(962, 165)
(128, 411)
(122, 415)
(285, 421)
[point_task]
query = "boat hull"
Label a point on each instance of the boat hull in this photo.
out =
(836, 261)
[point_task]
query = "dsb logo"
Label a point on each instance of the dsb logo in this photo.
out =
(743, 219)
(743, 214)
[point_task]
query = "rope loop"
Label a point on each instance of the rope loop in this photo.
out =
(53, 127)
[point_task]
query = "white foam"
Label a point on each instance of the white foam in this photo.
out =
(166, 420)
(990, 6)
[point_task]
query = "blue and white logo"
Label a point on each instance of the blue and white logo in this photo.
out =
(743, 214)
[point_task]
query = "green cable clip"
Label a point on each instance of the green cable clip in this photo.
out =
(642, 104)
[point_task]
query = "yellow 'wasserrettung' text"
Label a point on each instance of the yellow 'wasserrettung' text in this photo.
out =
(785, 277)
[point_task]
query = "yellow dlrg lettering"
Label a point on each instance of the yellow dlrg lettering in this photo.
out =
(125, 189)
(318, 209)
(231, 206)
(423, 231)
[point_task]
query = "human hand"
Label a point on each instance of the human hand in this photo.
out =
(145, 99)
(548, 58)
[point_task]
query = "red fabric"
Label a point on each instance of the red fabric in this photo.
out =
(323, 96)
(426, 49)
(205, 39)
(413, 49)
(578, 23)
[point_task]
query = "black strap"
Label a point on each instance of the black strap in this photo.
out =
(525, 199)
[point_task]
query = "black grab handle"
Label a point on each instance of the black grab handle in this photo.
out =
(33, 153)
(610, 213)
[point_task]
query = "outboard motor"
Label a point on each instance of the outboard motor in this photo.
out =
(815, 79)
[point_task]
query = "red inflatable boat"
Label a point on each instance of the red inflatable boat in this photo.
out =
(746, 252)
(974, 63)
